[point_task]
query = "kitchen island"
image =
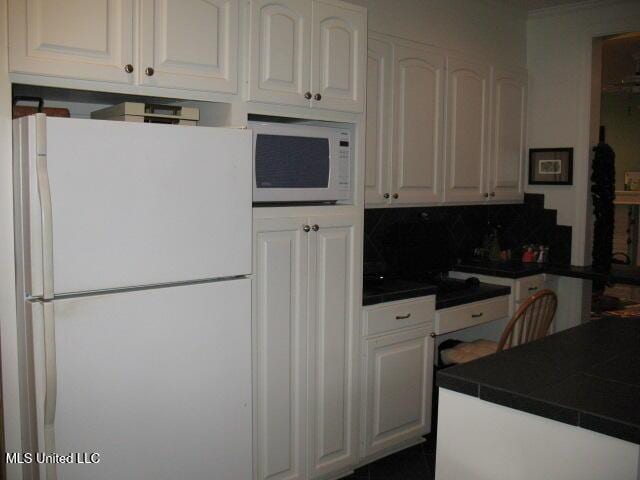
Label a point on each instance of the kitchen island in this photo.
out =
(564, 407)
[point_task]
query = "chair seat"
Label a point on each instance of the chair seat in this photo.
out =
(468, 351)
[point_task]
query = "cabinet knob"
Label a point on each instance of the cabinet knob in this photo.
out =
(315, 228)
(306, 228)
(308, 95)
(128, 68)
(317, 97)
(149, 71)
(485, 195)
(386, 195)
(395, 195)
(492, 194)
(432, 335)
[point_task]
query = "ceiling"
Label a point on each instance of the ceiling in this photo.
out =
(530, 5)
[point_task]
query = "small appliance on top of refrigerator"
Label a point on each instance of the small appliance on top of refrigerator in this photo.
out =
(133, 242)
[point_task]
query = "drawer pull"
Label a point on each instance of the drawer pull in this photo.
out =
(533, 289)
(403, 317)
(477, 315)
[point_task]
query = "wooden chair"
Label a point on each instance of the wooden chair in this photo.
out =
(531, 322)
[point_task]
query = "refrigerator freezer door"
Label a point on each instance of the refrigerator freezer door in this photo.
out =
(132, 204)
(157, 382)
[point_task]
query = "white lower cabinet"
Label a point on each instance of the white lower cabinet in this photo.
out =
(397, 376)
(305, 327)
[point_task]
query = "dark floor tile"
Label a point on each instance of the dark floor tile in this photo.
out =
(412, 466)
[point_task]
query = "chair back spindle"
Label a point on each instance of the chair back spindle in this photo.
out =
(531, 321)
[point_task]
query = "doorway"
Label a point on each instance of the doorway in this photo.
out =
(617, 76)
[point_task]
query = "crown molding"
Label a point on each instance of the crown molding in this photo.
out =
(574, 7)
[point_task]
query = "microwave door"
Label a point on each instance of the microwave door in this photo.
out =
(292, 168)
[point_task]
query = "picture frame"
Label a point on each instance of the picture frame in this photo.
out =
(632, 181)
(551, 166)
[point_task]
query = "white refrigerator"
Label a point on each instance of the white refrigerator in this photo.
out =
(133, 242)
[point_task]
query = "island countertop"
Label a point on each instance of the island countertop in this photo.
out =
(587, 376)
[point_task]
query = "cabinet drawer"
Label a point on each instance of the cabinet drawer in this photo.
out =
(391, 316)
(456, 318)
(525, 287)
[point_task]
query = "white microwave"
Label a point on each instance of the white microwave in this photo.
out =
(301, 163)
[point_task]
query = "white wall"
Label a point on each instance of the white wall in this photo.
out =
(486, 28)
(559, 47)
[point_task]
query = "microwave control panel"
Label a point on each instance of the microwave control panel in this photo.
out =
(344, 163)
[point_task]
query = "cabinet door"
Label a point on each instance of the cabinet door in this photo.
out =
(280, 51)
(332, 335)
(509, 123)
(418, 112)
(191, 45)
(339, 56)
(81, 39)
(379, 103)
(399, 383)
(466, 157)
(280, 331)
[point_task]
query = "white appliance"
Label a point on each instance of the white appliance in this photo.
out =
(301, 163)
(133, 242)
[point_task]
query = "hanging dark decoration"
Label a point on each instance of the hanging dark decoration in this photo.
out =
(603, 177)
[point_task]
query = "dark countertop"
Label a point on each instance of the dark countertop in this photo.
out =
(518, 269)
(483, 291)
(398, 289)
(394, 290)
(587, 376)
(625, 274)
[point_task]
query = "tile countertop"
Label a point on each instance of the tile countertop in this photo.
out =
(518, 269)
(396, 290)
(587, 376)
(404, 289)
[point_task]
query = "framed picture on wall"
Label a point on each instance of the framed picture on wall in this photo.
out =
(551, 166)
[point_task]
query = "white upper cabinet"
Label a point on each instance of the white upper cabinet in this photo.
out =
(280, 70)
(419, 101)
(339, 60)
(508, 132)
(81, 39)
(308, 53)
(467, 131)
(378, 135)
(185, 45)
(190, 44)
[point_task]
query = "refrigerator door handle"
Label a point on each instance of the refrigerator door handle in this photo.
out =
(46, 219)
(51, 385)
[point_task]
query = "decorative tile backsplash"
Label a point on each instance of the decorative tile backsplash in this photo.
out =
(457, 230)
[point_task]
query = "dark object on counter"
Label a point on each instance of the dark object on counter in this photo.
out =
(603, 193)
(23, 111)
(472, 282)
